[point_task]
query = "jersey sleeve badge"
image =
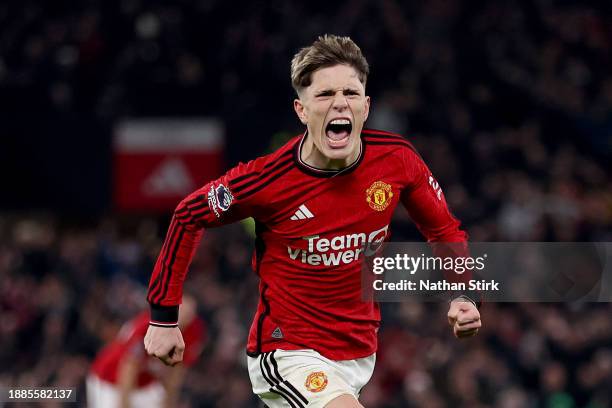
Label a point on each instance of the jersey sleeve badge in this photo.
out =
(219, 199)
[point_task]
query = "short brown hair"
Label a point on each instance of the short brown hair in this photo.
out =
(326, 51)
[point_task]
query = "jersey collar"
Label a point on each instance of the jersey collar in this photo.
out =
(316, 172)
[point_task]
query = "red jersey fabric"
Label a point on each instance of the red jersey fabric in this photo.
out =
(311, 227)
(129, 342)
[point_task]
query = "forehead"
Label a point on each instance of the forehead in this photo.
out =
(336, 76)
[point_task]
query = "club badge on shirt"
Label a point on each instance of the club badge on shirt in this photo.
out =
(379, 195)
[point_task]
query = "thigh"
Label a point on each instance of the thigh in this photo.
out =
(296, 379)
(151, 396)
(101, 394)
(344, 401)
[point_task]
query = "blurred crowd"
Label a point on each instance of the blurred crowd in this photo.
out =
(508, 101)
(66, 289)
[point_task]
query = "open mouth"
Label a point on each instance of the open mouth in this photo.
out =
(338, 132)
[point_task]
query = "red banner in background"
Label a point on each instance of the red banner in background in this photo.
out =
(157, 162)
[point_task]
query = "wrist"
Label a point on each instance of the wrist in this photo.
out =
(164, 316)
(474, 299)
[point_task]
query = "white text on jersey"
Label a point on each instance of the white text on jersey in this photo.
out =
(341, 249)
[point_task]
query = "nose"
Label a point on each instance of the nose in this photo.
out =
(339, 103)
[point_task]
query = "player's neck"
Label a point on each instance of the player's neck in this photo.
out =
(313, 157)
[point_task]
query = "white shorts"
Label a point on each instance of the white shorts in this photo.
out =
(102, 394)
(300, 378)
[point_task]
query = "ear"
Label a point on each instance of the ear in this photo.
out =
(367, 108)
(298, 106)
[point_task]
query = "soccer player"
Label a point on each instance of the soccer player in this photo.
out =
(316, 202)
(123, 376)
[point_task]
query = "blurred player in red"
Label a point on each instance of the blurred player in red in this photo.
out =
(122, 375)
(318, 202)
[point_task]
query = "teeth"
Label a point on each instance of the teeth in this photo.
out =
(340, 122)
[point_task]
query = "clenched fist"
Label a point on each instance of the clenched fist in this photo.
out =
(464, 316)
(165, 343)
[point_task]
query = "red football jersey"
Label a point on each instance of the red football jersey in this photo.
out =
(312, 226)
(129, 342)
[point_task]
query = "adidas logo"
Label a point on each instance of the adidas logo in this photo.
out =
(302, 213)
(277, 333)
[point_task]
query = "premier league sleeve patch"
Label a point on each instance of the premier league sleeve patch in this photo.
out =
(219, 199)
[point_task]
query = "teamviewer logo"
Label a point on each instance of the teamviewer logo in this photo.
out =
(339, 249)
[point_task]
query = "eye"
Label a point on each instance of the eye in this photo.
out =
(351, 92)
(324, 94)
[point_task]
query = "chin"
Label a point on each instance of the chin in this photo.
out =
(338, 154)
(331, 152)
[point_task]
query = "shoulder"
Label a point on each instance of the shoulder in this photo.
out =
(134, 328)
(387, 142)
(196, 330)
(282, 154)
(255, 174)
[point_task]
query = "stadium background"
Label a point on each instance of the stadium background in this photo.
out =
(509, 102)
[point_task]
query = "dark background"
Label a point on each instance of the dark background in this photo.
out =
(509, 102)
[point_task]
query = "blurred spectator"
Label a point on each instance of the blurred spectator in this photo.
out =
(122, 375)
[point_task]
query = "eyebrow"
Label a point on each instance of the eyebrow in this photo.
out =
(328, 91)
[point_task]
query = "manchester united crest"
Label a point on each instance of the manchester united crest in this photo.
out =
(379, 195)
(316, 381)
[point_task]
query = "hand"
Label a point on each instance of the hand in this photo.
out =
(464, 316)
(165, 343)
